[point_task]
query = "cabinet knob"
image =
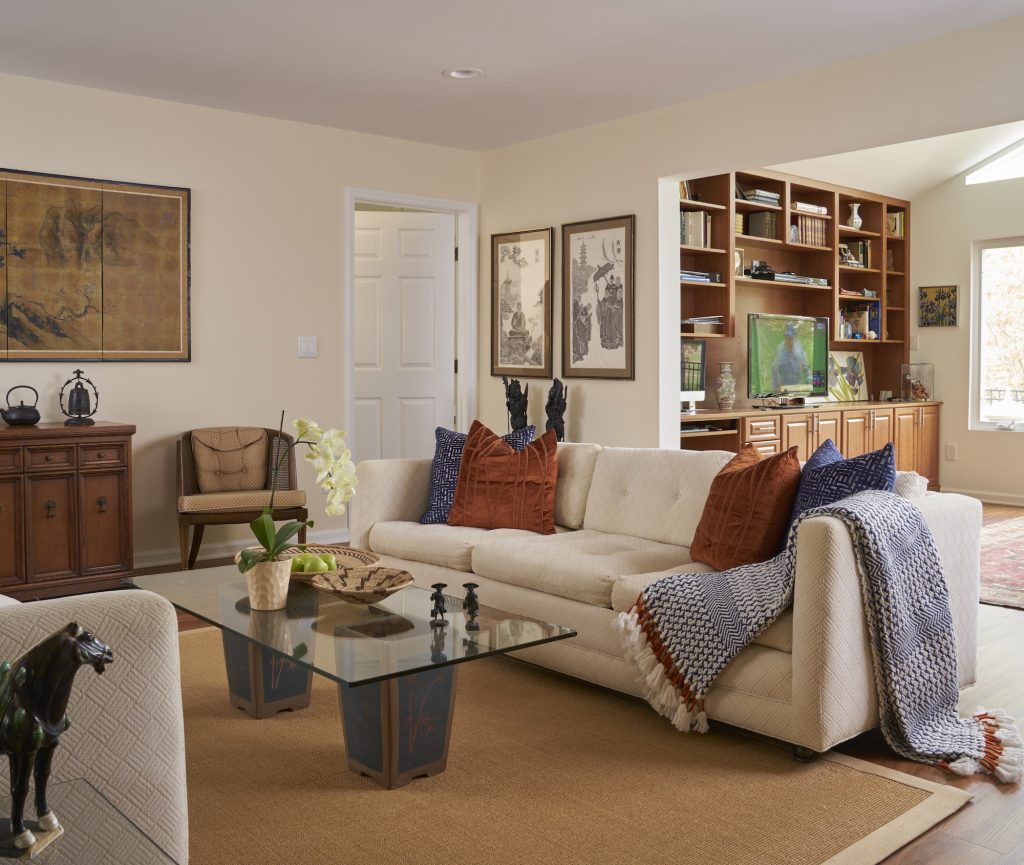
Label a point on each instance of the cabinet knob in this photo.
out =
(48, 458)
(51, 508)
(102, 502)
(101, 455)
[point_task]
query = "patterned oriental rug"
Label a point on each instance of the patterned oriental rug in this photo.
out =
(1002, 563)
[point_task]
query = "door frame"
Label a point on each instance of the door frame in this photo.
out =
(466, 278)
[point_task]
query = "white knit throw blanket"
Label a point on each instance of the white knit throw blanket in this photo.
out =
(685, 628)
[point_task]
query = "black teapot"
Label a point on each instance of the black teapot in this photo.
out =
(21, 414)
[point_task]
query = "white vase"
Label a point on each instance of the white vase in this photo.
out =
(268, 584)
(854, 221)
(725, 386)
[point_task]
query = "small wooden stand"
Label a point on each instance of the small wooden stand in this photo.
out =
(43, 840)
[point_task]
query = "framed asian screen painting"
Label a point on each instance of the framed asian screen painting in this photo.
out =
(93, 269)
(598, 298)
(521, 330)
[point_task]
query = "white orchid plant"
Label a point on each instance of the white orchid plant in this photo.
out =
(335, 474)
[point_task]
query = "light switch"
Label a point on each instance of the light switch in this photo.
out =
(307, 346)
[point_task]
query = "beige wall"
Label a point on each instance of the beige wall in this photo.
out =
(950, 84)
(267, 212)
(946, 221)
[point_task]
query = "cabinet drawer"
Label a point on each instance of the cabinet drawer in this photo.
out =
(759, 429)
(10, 460)
(766, 449)
(49, 457)
(101, 455)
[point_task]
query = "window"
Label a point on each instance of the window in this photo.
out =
(999, 335)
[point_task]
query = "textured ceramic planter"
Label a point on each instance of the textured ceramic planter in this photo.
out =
(268, 584)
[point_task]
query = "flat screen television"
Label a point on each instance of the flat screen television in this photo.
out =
(787, 355)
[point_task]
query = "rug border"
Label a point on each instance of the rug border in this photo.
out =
(876, 846)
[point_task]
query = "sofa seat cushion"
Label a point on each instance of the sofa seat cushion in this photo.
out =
(581, 566)
(436, 544)
(244, 500)
(626, 589)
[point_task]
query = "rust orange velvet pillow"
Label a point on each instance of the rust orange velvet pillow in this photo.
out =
(502, 488)
(747, 510)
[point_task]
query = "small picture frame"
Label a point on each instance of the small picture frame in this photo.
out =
(521, 314)
(846, 256)
(598, 298)
(737, 262)
(938, 306)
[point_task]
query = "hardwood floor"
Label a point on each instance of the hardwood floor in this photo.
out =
(990, 829)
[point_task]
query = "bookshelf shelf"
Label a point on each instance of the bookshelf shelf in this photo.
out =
(809, 246)
(688, 335)
(807, 213)
(789, 286)
(753, 240)
(690, 204)
(895, 273)
(856, 341)
(701, 283)
(702, 250)
(895, 309)
(849, 268)
(858, 232)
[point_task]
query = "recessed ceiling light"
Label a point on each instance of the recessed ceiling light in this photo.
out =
(460, 73)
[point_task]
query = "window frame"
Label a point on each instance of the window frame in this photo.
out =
(975, 423)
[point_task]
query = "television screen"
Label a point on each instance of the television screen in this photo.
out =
(787, 355)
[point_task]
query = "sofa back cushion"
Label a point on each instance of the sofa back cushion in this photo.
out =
(748, 510)
(501, 488)
(228, 459)
(652, 493)
(575, 472)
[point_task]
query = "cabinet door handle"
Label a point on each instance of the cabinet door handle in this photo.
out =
(101, 455)
(102, 502)
(48, 458)
(871, 421)
(51, 509)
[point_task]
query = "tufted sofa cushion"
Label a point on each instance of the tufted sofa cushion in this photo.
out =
(582, 566)
(435, 543)
(651, 493)
(575, 472)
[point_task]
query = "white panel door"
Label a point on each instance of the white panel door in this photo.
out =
(403, 332)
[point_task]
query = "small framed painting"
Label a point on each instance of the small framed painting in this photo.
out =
(937, 306)
(521, 329)
(598, 298)
(847, 381)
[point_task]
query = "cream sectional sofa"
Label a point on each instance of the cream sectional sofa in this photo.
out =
(626, 517)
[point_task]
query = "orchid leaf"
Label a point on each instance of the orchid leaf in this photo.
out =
(263, 528)
(286, 533)
(247, 559)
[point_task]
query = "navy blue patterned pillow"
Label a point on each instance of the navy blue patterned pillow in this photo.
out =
(827, 477)
(444, 471)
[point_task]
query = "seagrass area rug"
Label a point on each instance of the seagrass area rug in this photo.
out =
(1002, 563)
(542, 771)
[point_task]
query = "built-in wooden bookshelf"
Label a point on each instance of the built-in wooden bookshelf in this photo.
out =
(800, 226)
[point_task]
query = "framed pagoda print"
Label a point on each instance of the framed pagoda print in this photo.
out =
(598, 299)
(521, 314)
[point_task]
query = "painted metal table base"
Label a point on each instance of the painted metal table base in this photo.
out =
(395, 730)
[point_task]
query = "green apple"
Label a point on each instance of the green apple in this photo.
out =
(299, 562)
(314, 564)
(330, 560)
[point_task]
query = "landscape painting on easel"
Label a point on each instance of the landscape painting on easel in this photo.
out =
(92, 270)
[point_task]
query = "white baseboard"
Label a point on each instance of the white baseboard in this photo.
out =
(990, 497)
(170, 556)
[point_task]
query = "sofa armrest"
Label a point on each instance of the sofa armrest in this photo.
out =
(833, 684)
(126, 735)
(396, 489)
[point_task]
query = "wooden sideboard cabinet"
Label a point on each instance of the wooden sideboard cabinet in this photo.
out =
(856, 428)
(65, 508)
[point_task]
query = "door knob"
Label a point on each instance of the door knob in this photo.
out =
(102, 502)
(51, 508)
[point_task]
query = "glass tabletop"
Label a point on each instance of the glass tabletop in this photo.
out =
(351, 643)
(95, 832)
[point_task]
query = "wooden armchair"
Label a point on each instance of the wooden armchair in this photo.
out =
(224, 478)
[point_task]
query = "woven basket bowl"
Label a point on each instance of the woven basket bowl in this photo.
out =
(363, 585)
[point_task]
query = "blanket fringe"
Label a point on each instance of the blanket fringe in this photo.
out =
(1003, 754)
(663, 686)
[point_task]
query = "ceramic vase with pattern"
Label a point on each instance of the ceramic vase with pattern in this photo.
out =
(855, 220)
(268, 584)
(725, 386)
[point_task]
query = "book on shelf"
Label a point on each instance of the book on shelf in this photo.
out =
(761, 196)
(763, 224)
(804, 207)
(700, 275)
(695, 228)
(739, 223)
(861, 251)
(895, 223)
(812, 230)
(702, 324)
(801, 280)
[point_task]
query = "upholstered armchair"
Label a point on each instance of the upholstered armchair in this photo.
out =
(224, 478)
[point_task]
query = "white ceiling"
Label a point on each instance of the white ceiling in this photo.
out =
(551, 65)
(906, 170)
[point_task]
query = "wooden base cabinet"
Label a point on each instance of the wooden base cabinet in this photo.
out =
(65, 508)
(917, 440)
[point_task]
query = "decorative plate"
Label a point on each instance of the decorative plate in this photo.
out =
(363, 585)
(348, 557)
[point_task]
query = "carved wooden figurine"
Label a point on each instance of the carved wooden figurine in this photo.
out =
(555, 409)
(516, 401)
(34, 693)
(437, 619)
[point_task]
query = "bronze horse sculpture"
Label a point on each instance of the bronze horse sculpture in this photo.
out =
(34, 693)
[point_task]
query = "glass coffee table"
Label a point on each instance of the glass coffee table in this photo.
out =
(396, 673)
